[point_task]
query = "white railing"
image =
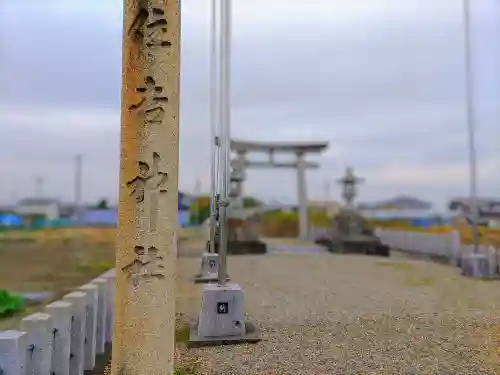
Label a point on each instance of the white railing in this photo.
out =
(64, 338)
(447, 245)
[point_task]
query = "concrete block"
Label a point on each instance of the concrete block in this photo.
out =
(222, 311)
(78, 302)
(476, 265)
(222, 318)
(209, 268)
(90, 325)
(38, 326)
(61, 312)
(13, 354)
(110, 314)
(102, 309)
(209, 264)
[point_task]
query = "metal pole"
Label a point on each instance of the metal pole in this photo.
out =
(214, 122)
(225, 133)
(197, 191)
(469, 97)
(78, 186)
(39, 186)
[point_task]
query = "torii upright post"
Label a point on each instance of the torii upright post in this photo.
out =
(143, 340)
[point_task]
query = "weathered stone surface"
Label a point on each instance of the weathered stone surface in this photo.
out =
(146, 249)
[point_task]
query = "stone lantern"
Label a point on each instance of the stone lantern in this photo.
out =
(349, 183)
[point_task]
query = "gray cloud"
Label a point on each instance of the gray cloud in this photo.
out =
(384, 86)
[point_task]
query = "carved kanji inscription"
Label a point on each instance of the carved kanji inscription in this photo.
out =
(150, 106)
(148, 179)
(147, 264)
(150, 27)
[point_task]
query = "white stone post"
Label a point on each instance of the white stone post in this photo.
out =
(102, 309)
(61, 312)
(90, 325)
(110, 314)
(13, 353)
(78, 302)
(38, 326)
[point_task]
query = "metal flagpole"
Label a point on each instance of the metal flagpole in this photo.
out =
(225, 111)
(214, 122)
(469, 97)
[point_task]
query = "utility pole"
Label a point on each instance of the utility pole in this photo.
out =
(39, 186)
(197, 189)
(78, 186)
(471, 119)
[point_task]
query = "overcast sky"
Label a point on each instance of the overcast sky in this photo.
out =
(381, 80)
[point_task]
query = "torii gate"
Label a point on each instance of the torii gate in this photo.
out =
(300, 149)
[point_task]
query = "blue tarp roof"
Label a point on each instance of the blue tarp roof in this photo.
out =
(8, 220)
(100, 217)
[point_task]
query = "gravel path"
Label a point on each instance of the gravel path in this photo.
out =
(324, 314)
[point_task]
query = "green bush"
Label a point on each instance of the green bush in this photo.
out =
(10, 303)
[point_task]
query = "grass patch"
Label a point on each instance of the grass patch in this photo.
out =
(99, 267)
(181, 371)
(494, 278)
(182, 333)
(10, 303)
(397, 265)
(420, 281)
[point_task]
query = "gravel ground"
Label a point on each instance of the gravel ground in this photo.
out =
(342, 314)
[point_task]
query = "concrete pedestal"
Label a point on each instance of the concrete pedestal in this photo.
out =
(222, 318)
(209, 268)
(242, 247)
(476, 265)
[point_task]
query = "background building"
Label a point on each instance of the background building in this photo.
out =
(489, 209)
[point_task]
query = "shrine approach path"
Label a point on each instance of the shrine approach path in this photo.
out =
(320, 313)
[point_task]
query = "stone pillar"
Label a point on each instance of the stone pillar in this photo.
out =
(143, 341)
(302, 196)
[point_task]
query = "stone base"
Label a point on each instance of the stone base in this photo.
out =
(243, 247)
(251, 336)
(209, 268)
(209, 263)
(222, 317)
(199, 279)
(354, 247)
(476, 265)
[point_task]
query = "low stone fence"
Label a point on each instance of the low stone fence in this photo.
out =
(66, 337)
(447, 247)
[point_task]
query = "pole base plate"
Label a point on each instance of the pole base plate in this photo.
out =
(251, 336)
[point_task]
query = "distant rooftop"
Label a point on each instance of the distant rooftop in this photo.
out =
(401, 202)
(484, 204)
(37, 201)
(237, 145)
